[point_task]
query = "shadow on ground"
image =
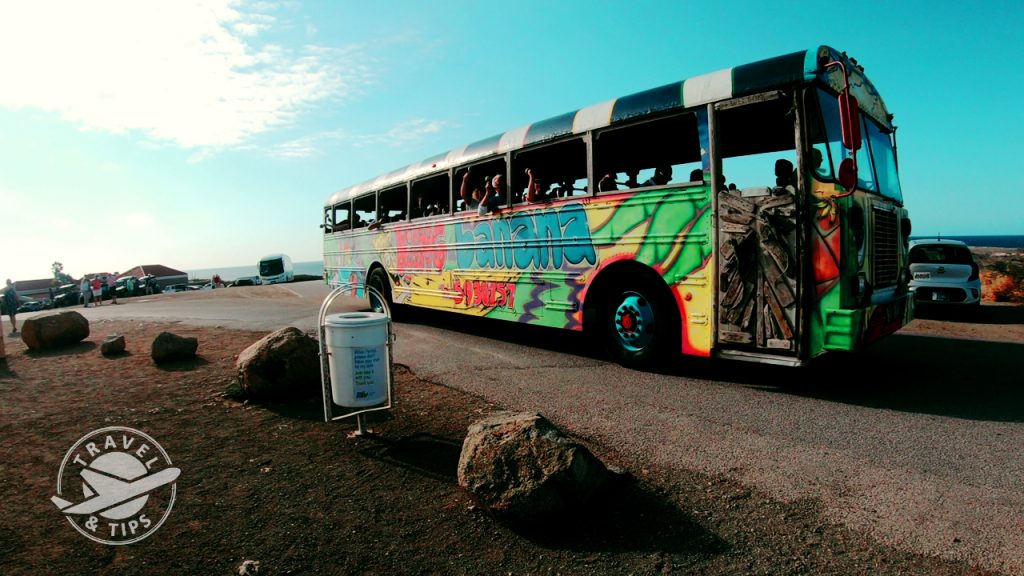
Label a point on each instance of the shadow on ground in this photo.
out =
(183, 365)
(971, 379)
(987, 314)
(622, 517)
(76, 348)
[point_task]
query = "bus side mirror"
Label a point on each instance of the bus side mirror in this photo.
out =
(849, 116)
(848, 174)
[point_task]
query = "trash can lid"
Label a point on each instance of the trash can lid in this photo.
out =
(355, 319)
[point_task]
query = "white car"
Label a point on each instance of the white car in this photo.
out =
(944, 272)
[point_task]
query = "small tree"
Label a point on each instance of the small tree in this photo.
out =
(59, 277)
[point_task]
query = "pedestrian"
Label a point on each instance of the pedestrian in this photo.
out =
(112, 287)
(11, 303)
(85, 292)
(97, 291)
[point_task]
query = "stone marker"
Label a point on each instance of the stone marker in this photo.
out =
(282, 364)
(523, 469)
(113, 344)
(169, 347)
(54, 330)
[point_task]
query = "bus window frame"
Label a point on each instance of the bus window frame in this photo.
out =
(518, 171)
(425, 178)
(456, 176)
(363, 197)
(403, 186)
(348, 220)
(593, 149)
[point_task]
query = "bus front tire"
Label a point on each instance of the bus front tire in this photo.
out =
(637, 323)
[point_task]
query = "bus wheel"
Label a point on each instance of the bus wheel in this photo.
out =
(378, 279)
(637, 323)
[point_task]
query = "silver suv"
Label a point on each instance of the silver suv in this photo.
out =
(944, 272)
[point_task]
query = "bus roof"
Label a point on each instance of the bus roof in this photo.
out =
(747, 79)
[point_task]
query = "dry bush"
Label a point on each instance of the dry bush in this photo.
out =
(997, 287)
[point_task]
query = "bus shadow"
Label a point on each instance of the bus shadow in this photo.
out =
(970, 379)
(553, 339)
(985, 314)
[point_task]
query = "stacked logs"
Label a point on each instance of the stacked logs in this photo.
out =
(757, 290)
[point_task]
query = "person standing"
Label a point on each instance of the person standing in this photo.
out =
(97, 291)
(11, 303)
(112, 287)
(85, 291)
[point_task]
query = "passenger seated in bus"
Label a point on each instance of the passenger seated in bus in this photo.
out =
(696, 175)
(607, 183)
(662, 176)
(535, 192)
(471, 199)
(494, 195)
(784, 175)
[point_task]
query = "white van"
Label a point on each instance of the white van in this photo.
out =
(276, 268)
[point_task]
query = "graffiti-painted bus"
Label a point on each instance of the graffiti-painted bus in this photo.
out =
(751, 213)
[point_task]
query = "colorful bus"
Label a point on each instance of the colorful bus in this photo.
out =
(751, 213)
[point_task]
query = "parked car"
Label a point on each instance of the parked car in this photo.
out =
(175, 288)
(66, 295)
(32, 305)
(944, 272)
(246, 281)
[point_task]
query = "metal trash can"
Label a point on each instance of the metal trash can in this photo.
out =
(358, 358)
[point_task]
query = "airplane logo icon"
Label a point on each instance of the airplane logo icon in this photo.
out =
(112, 496)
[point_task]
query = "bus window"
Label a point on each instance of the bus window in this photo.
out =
(341, 216)
(559, 170)
(754, 141)
(480, 174)
(431, 196)
(328, 225)
(393, 205)
(364, 211)
(653, 153)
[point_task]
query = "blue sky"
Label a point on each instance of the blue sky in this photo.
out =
(207, 134)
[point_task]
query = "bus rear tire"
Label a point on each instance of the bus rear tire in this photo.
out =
(378, 279)
(637, 323)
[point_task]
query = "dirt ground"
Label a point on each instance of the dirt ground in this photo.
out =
(275, 484)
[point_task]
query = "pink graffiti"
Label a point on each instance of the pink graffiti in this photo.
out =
(421, 248)
(484, 293)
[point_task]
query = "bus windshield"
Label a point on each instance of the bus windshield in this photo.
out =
(271, 267)
(876, 161)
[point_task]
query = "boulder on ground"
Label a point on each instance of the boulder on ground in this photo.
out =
(168, 347)
(113, 344)
(282, 364)
(523, 469)
(54, 330)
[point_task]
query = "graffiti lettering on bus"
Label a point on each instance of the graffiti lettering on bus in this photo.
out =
(540, 239)
(485, 293)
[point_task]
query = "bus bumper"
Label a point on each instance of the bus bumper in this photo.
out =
(847, 330)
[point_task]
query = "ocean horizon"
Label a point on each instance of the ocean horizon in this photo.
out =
(985, 241)
(229, 273)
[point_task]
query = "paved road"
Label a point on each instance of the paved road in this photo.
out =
(917, 441)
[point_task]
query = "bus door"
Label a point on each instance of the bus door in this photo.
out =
(759, 241)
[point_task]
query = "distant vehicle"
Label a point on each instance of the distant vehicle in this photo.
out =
(246, 281)
(944, 272)
(66, 295)
(32, 306)
(275, 268)
(175, 288)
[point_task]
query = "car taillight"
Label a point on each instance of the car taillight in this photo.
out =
(975, 271)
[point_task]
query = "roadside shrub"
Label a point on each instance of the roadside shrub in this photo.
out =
(997, 287)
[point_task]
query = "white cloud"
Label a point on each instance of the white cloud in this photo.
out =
(138, 220)
(404, 133)
(189, 73)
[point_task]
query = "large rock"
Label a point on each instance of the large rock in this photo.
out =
(283, 364)
(113, 344)
(54, 330)
(523, 469)
(168, 347)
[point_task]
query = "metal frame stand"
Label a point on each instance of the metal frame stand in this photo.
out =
(330, 413)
